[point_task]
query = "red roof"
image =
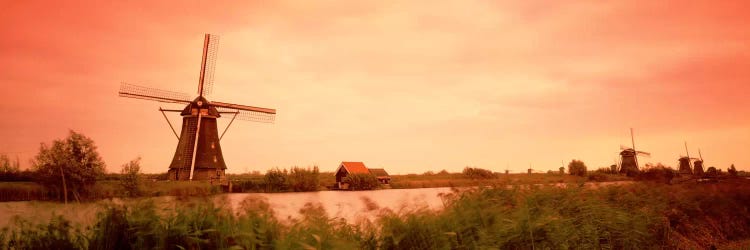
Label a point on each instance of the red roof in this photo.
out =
(355, 167)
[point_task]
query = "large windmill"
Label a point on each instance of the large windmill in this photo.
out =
(198, 154)
(629, 157)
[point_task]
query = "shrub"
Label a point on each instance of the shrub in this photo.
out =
(478, 173)
(275, 181)
(598, 176)
(712, 171)
(130, 179)
(362, 181)
(732, 170)
(577, 167)
(301, 179)
(658, 173)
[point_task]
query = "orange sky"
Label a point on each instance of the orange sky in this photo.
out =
(409, 86)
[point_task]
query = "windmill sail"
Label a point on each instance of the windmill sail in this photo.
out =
(153, 94)
(247, 113)
(208, 64)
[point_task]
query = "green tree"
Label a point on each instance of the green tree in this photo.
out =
(275, 180)
(70, 165)
(362, 181)
(577, 167)
(301, 179)
(131, 179)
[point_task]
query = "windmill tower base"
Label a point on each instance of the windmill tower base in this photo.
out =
(210, 174)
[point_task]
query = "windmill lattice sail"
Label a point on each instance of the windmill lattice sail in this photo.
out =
(198, 154)
(153, 94)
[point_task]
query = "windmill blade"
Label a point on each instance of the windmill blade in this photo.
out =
(147, 93)
(643, 153)
(252, 116)
(243, 107)
(247, 113)
(208, 64)
(623, 147)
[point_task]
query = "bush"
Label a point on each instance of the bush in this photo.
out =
(275, 180)
(130, 179)
(478, 173)
(362, 181)
(301, 180)
(577, 167)
(598, 176)
(658, 173)
(732, 170)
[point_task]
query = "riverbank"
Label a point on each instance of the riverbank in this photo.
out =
(107, 189)
(639, 215)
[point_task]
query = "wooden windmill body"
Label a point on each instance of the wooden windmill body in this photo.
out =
(198, 154)
(691, 165)
(629, 157)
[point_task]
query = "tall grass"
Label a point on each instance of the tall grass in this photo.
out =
(637, 216)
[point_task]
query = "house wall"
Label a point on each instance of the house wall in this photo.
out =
(341, 174)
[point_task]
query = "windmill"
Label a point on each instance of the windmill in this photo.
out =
(686, 166)
(198, 154)
(629, 157)
(698, 164)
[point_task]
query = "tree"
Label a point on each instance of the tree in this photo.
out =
(71, 164)
(275, 180)
(362, 181)
(712, 171)
(10, 170)
(301, 180)
(478, 173)
(732, 170)
(7, 166)
(131, 180)
(577, 167)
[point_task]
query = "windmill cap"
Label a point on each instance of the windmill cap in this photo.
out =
(200, 102)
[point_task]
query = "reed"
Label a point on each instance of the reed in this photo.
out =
(647, 215)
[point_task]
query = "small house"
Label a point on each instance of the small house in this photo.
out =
(382, 175)
(346, 168)
(353, 167)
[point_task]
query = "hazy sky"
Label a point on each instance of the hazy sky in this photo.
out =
(409, 86)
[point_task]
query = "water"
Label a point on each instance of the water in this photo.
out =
(350, 205)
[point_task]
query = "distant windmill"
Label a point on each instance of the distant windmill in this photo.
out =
(686, 167)
(629, 157)
(698, 164)
(198, 154)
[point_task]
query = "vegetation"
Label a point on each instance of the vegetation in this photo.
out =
(643, 215)
(577, 167)
(732, 170)
(277, 180)
(131, 179)
(71, 165)
(478, 173)
(301, 180)
(362, 181)
(10, 170)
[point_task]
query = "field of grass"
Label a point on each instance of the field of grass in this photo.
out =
(461, 180)
(642, 215)
(31, 191)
